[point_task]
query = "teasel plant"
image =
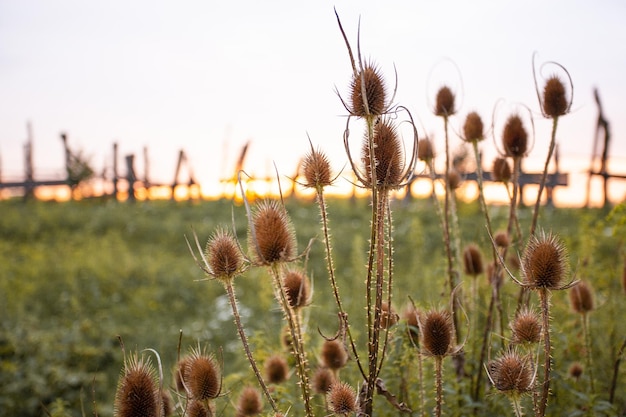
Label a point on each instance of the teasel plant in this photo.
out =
(555, 102)
(544, 267)
(139, 388)
(582, 302)
(383, 168)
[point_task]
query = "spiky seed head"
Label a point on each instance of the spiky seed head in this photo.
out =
(375, 91)
(495, 276)
(179, 374)
(202, 376)
(333, 354)
(526, 327)
(276, 369)
(197, 408)
(323, 379)
(249, 402)
(137, 392)
(544, 263)
(387, 155)
(501, 171)
(472, 260)
(515, 137)
(388, 316)
(576, 370)
(511, 372)
(555, 102)
(425, 150)
(297, 287)
(502, 240)
(316, 170)
(224, 257)
(581, 297)
(444, 103)
(473, 128)
(167, 403)
(341, 399)
(436, 329)
(273, 239)
(454, 179)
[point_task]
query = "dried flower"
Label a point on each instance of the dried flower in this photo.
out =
(454, 179)
(225, 260)
(375, 91)
(436, 329)
(197, 408)
(137, 392)
(472, 260)
(502, 239)
(316, 169)
(515, 137)
(296, 285)
(544, 263)
(526, 327)
(425, 150)
(512, 373)
(388, 317)
(249, 402)
(501, 171)
(202, 376)
(581, 297)
(341, 399)
(276, 369)
(271, 236)
(334, 354)
(444, 103)
(576, 370)
(555, 102)
(323, 379)
(387, 154)
(473, 128)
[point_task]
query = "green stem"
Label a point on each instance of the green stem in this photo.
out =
(438, 385)
(588, 357)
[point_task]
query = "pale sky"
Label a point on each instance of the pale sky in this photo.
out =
(207, 76)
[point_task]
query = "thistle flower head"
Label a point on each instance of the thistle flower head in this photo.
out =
(271, 237)
(276, 369)
(473, 129)
(501, 170)
(472, 260)
(515, 137)
(501, 239)
(297, 287)
(436, 329)
(137, 392)
(249, 402)
(323, 379)
(526, 327)
(544, 262)
(202, 376)
(555, 102)
(333, 354)
(444, 103)
(224, 257)
(388, 156)
(512, 373)
(375, 92)
(342, 399)
(316, 169)
(581, 297)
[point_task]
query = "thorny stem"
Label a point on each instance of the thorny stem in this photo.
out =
(588, 359)
(544, 176)
(438, 385)
(331, 272)
(544, 297)
(296, 339)
(517, 406)
(481, 195)
(244, 340)
(483, 351)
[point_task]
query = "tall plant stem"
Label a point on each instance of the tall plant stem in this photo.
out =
(331, 274)
(481, 195)
(544, 297)
(517, 406)
(588, 361)
(438, 385)
(544, 176)
(618, 360)
(244, 340)
(296, 338)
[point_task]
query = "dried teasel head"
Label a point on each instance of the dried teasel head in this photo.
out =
(323, 379)
(436, 329)
(271, 236)
(276, 369)
(375, 93)
(197, 408)
(544, 262)
(388, 316)
(515, 137)
(555, 102)
(202, 376)
(138, 389)
(526, 327)
(454, 179)
(444, 102)
(512, 373)
(388, 156)
(166, 403)
(316, 169)
(473, 129)
(472, 260)
(501, 170)
(502, 239)
(425, 150)
(576, 370)
(333, 354)
(581, 297)
(179, 374)
(249, 402)
(224, 256)
(342, 399)
(297, 288)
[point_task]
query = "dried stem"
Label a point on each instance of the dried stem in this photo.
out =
(438, 385)
(544, 296)
(544, 176)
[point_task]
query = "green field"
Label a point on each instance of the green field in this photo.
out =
(76, 276)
